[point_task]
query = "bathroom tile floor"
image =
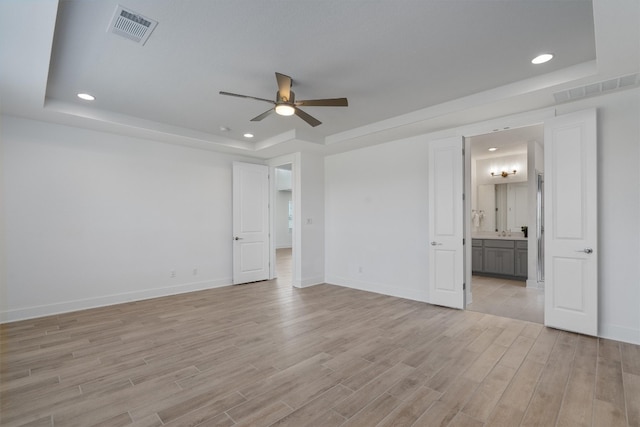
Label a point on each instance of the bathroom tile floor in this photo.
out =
(507, 298)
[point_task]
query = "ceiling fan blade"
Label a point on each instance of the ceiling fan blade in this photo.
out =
(263, 115)
(307, 118)
(332, 102)
(246, 96)
(284, 86)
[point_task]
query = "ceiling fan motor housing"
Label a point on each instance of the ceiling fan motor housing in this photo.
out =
(281, 100)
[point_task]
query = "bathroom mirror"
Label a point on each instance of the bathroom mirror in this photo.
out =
(503, 206)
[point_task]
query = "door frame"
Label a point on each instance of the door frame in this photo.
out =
(295, 198)
(483, 128)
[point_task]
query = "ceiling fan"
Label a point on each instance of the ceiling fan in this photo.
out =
(286, 104)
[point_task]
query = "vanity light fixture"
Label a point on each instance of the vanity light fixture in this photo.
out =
(248, 135)
(503, 174)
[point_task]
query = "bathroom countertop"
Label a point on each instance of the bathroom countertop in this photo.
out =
(514, 236)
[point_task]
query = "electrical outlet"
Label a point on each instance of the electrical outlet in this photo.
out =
(195, 271)
(172, 273)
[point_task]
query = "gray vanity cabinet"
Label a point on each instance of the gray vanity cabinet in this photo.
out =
(521, 254)
(503, 258)
(499, 257)
(477, 265)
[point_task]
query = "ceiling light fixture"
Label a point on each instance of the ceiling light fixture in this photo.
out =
(492, 149)
(541, 59)
(503, 174)
(285, 110)
(248, 135)
(86, 96)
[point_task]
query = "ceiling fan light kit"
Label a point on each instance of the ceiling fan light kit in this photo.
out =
(286, 105)
(285, 110)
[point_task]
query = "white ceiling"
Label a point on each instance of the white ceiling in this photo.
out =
(506, 141)
(407, 67)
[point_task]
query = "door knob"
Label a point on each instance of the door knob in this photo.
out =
(237, 238)
(586, 250)
(436, 244)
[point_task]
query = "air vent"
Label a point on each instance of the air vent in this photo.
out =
(593, 89)
(132, 25)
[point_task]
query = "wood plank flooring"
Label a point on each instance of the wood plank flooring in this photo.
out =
(265, 354)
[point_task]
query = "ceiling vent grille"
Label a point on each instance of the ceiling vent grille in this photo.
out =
(131, 25)
(593, 89)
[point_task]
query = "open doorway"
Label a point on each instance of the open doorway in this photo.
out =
(283, 224)
(504, 210)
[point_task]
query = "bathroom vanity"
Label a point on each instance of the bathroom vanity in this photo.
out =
(504, 257)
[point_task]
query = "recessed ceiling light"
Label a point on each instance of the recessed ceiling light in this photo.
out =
(86, 96)
(224, 129)
(541, 59)
(248, 135)
(492, 149)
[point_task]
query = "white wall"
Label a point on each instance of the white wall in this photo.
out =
(484, 167)
(376, 207)
(93, 218)
(283, 233)
(310, 191)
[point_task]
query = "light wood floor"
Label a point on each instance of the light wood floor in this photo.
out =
(507, 298)
(265, 354)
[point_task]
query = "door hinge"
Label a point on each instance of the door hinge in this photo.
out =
(463, 241)
(462, 196)
(464, 286)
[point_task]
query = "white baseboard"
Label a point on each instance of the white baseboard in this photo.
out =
(311, 281)
(620, 333)
(102, 301)
(535, 284)
(378, 288)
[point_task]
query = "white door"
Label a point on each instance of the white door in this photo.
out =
(250, 222)
(570, 211)
(446, 257)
